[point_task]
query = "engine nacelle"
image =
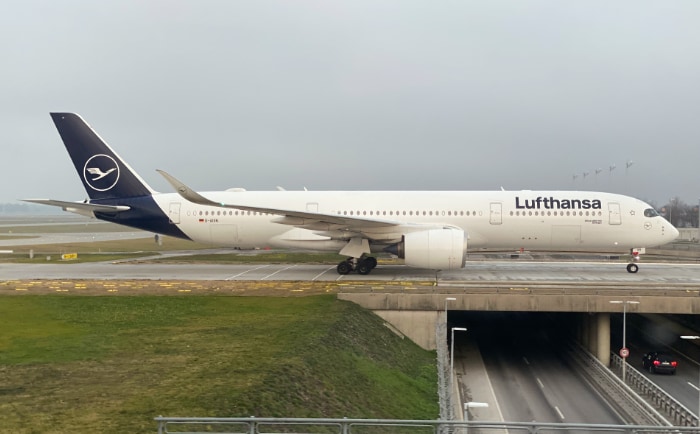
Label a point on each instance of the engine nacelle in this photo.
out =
(437, 249)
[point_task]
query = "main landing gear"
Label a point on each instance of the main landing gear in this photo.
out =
(362, 265)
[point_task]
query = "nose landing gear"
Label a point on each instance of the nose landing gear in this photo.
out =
(632, 267)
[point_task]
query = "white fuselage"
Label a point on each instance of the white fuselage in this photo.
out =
(532, 220)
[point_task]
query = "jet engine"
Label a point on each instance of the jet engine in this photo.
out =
(436, 249)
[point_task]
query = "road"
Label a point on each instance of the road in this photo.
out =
(478, 271)
(662, 333)
(532, 380)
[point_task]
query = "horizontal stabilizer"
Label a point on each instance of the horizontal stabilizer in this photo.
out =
(80, 207)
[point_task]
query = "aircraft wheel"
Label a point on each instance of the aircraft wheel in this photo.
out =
(372, 261)
(632, 268)
(344, 267)
(364, 267)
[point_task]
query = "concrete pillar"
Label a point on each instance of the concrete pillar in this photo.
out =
(592, 333)
(582, 329)
(603, 338)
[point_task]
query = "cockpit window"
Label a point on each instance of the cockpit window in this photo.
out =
(650, 212)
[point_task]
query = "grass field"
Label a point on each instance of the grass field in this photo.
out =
(111, 364)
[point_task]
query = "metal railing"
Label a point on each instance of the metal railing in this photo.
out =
(633, 408)
(679, 413)
(254, 425)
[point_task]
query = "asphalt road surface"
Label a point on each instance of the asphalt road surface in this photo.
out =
(476, 271)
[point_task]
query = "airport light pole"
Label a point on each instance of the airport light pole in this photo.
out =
(691, 338)
(624, 351)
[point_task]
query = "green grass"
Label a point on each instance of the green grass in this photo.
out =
(111, 364)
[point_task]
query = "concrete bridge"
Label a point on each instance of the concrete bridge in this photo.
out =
(415, 311)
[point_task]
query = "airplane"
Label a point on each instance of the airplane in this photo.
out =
(428, 229)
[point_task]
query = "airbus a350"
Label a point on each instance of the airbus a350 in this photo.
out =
(428, 229)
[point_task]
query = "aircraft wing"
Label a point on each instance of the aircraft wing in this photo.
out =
(80, 207)
(289, 217)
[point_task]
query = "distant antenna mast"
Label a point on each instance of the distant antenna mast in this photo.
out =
(628, 165)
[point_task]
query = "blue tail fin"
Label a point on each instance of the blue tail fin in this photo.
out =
(103, 173)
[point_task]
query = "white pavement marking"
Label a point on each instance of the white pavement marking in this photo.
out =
(322, 273)
(539, 382)
(247, 271)
(693, 386)
(278, 271)
(561, 415)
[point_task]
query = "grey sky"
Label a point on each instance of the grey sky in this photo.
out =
(380, 95)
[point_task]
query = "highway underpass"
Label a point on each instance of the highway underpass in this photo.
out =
(417, 314)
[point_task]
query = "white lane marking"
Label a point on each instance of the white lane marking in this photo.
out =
(322, 273)
(693, 386)
(247, 271)
(492, 392)
(539, 382)
(561, 416)
(527, 362)
(278, 271)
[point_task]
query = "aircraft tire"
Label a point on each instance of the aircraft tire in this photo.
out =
(344, 268)
(372, 261)
(364, 267)
(632, 268)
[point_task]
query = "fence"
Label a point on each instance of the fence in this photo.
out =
(254, 425)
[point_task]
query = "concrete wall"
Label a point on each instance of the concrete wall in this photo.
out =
(419, 326)
(679, 302)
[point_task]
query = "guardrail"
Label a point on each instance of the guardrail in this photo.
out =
(633, 408)
(254, 425)
(679, 413)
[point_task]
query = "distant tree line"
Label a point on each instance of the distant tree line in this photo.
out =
(679, 213)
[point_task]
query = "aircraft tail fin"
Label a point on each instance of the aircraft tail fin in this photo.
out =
(103, 173)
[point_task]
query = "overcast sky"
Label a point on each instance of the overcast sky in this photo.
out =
(361, 95)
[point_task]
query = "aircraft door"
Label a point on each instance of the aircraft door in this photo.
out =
(496, 214)
(174, 213)
(614, 216)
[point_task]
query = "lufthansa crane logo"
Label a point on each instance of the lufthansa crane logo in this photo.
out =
(101, 172)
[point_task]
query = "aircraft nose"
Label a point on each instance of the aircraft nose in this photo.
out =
(673, 232)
